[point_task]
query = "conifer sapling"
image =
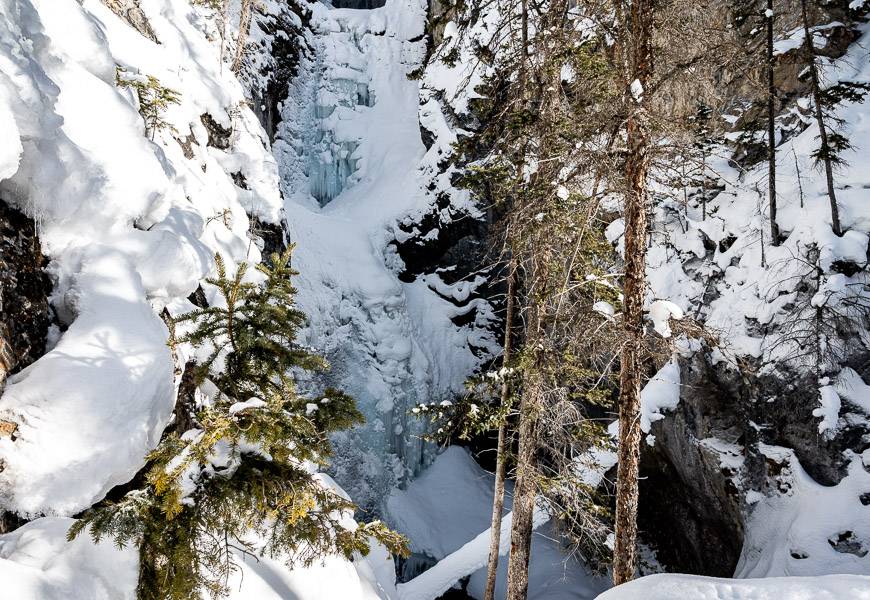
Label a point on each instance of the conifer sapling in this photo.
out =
(243, 480)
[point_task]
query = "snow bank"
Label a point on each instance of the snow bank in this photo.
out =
(682, 587)
(130, 226)
(37, 563)
(71, 419)
(660, 393)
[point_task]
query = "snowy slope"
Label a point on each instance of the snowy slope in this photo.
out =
(130, 226)
(752, 283)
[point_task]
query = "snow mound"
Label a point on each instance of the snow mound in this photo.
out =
(805, 528)
(682, 587)
(37, 563)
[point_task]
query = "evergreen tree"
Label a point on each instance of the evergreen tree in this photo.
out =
(154, 98)
(831, 143)
(242, 480)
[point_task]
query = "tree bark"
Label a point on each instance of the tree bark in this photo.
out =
(244, 28)
(501, 451)
(825, 148)
(526, 482)
(637, 164)
(771, 130)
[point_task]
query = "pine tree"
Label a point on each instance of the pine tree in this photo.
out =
(154, 98)
(241, 481)
(831, 143)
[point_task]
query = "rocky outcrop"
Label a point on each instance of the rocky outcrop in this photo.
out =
(278, 39)
(130, 11)
(25, 315)
(705, 459)
(690, 509)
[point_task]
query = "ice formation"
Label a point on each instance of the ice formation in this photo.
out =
(352, 168)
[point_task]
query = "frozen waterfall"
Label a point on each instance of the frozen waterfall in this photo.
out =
(350, 156)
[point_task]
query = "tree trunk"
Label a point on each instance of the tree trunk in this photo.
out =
(526, 482)
(637, 164)
(771, 130)
(825, 148)
(498, 492)
(244, 28)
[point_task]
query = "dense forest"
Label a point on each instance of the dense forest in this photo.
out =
(434, 299)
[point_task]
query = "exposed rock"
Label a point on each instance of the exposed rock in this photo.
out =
(271, 238)
(845, 542)
(218, 135)
(268, 70)
(690, 508)
(25, 315)
(130, 11)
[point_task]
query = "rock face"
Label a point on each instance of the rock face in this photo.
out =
(690, 506)
(706, 458)
(130, 11)
(24, 289)
(278, 39)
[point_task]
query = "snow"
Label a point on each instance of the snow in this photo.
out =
(70, 421)
(250, 403)
(472, 556)
(660, 312)
(711, 268)
(446, 513)
(674, 587)
(604, 308)
(660, 393)
(130, 227)
(637, 91)
(851, 387)
(829, 410)
(37, 563)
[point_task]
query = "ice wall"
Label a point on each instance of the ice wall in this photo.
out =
(342, 93)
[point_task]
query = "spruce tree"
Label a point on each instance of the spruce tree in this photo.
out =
(242, 480)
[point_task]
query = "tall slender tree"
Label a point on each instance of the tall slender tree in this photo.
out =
(770, 64)
(638, 56)
(502, 443)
